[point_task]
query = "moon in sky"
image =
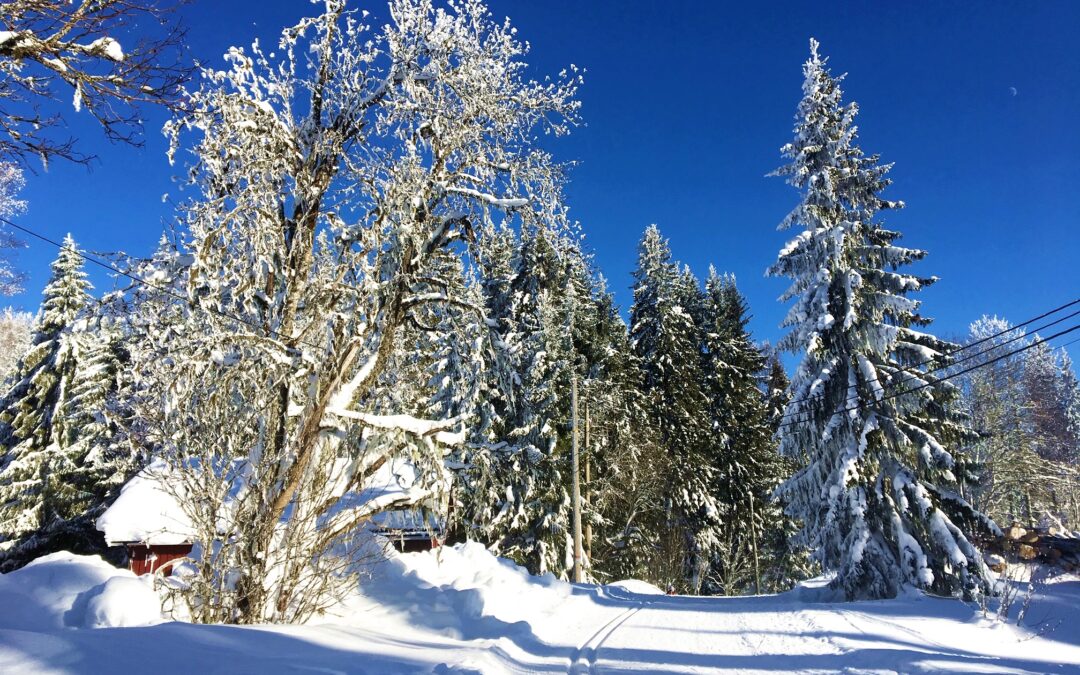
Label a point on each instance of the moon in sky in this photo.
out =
(1012, 90)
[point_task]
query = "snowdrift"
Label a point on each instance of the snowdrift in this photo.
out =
(64, 590)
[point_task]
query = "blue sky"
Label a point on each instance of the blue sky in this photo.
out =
(686, 105)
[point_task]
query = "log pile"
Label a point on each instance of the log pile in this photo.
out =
(1048, 545)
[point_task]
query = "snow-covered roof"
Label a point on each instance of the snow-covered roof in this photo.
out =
(147, 514)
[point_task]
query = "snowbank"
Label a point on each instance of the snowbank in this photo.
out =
(636, 586)
(64, 590)
(461, 610)
(146, 513)
(462, 592)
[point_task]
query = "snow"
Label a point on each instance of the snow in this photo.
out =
(64, 590)
(636, 586)
(462, 610)
(107, 46)
(8, 35)
(146, 513)
(123, 601)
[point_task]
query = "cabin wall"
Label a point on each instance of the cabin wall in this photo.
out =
(143, 559)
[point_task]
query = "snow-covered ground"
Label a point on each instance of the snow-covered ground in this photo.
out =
(464, 611)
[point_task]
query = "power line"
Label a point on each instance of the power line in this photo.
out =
(148, 284)
(1026, 347)
(958, 350)
(950, 364)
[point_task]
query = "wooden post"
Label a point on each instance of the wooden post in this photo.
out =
(753, 542)
(577, 483)
(588, 483)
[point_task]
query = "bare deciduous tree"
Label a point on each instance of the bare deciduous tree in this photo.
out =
(332, 172)
(104, 55)
(11, 182)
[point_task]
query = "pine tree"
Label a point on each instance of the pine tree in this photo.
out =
(878, 498)
(34, 494)
(667, 342)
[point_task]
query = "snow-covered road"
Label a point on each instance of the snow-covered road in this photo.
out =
(777, 634)
(467, 612)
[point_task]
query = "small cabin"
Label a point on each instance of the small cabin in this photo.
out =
(146, 520)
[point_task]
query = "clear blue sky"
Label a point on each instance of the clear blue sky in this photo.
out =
(687, 103)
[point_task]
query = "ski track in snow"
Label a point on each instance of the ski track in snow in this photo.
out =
(585, 656)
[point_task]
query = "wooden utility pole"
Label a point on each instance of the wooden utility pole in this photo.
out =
(753, 542)
(588, 483)
(577, 484)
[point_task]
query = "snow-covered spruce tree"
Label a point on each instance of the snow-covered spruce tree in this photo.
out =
(91, 458)
(776, 392)
(748, 467)
(524, 509)
(11, 182)
(878, 498)
(624, 496)
(666, 340)
(33, 493)
(621, 498)
(483, 467)
(789, 562)
(331, 171)
(16, 328)
(542, 366)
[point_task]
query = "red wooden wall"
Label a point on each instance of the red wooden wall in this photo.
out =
(143, 559)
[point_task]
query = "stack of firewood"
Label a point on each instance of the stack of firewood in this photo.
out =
(1048, 545)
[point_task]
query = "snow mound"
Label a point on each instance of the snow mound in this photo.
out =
(64, 590)
(122, 602)
(636, 586)
(461, 592)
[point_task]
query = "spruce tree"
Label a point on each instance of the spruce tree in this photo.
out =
(621, 461)
(789, 560)
(667, 342)
(748, 468)
(776, 392)
(35, 494)
(878, 496)
(516, 497)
